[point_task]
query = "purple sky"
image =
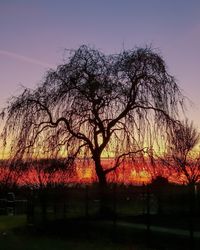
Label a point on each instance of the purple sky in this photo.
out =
(34, 34)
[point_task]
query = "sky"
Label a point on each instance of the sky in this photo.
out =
(35, 33)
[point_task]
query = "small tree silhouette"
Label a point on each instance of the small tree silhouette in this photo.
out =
(182, 139)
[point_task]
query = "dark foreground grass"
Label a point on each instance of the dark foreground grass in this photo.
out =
(81, 234)
(57, 235)
(23, 242)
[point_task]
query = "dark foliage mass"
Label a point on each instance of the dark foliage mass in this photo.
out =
(92, 106)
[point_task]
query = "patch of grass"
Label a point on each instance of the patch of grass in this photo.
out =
(16, 242)
(81, 234)
(62, 235)
(11, 222)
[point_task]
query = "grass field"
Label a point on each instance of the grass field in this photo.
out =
(79, 234)
(14, 235)
(67, 226)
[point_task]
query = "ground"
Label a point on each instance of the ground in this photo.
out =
(80, 234)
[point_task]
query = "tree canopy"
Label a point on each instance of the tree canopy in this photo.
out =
(94, 105)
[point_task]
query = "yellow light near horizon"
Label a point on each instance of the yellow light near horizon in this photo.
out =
(4, 155)
(141, 175)
(87, 173)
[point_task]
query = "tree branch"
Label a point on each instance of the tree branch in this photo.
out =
(118, 162)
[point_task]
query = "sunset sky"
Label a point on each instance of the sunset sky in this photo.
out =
(34, 34)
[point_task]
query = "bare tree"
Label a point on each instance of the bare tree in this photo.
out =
(92, 106)
(182, 138)
(44, 173)
(10, 174)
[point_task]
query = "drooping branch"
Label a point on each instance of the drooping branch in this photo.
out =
(121, 158)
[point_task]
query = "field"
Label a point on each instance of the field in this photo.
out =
(99, 235)
(70, 220)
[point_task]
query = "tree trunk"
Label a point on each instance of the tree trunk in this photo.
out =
(105, 209)
(100, 173)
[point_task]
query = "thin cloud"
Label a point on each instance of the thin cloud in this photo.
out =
(25, 58)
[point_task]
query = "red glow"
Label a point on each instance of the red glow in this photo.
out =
(127, 173)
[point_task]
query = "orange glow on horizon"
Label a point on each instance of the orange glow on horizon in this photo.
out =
(127, 173)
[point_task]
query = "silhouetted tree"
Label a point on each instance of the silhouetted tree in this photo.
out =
(94, 105)
(10, 174)
(182, 139)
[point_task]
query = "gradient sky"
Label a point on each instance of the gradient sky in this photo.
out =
(34, 34)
